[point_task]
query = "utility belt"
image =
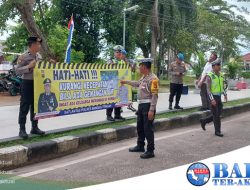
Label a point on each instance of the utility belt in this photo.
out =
(216, 94)
(144, 101)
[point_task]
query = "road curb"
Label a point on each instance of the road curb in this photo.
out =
(17, 156)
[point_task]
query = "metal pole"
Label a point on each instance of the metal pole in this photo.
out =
(124, 27)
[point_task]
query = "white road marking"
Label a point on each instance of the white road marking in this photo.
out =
(58, 166)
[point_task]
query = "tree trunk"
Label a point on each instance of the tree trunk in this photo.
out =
(155, 34)
(26, 10)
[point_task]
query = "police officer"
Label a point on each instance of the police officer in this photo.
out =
(116, 60)
(215, 88)
(132, 66)
(202, 84)
(47, 101)
(177, 70)
(147, 98)
(25, 65)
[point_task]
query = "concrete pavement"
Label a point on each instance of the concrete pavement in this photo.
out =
(9, 114)
(113, 161)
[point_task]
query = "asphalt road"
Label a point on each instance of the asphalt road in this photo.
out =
(173, 148)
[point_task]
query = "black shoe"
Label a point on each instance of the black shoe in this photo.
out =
(137, 149)
(178, 107)
(170, 108)
(23, 134)
(219, 134)
(110, 118)
(36, 131)
(147, 155)
(120, 118)
(203, 124)
(130, 107)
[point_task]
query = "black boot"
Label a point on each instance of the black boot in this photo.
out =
(219, 134)
(203, 124)
(170, 106)
(148, 154)
(119, 118)
(36, 131)
(136, 149)
(22, 132)
(178, 107)
(110, 118)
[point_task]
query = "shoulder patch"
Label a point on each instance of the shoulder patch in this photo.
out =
(155, 86)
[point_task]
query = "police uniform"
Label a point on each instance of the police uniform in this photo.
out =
(148, 87)
(176, 84)
(215, 88)
(109, 111)
(47, 101)
(27, 91)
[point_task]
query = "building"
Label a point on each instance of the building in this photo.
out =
(246, 61)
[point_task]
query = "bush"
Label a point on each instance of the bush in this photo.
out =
(232, 69)
(245, 75)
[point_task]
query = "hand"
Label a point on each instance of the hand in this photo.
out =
(122, 82)
(52, 61)
(151, 115)
(32, 64)
(225, 98)
(213, 102)
(50, 108)
(199, 84)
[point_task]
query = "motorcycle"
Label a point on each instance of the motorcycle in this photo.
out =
(4, 86)
(15, 83)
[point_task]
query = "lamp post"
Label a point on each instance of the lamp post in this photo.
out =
(124, 20)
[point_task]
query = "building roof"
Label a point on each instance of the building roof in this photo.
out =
(246, 57)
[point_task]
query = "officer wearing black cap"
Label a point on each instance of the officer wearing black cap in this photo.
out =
(215, 88)
(148, 87)
(47, 101)
(116, 60)
(25, 65)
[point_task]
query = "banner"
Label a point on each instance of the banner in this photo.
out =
(63, 89)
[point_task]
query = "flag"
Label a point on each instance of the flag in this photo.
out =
(68, 50)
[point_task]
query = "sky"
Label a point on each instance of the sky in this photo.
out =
(232, 2)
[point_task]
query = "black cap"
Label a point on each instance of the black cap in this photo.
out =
(34, 39)
(47, 81)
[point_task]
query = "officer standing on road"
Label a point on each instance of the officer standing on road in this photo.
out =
(147, 99)
(25, 65)
(215, 88)
(177, 70)
(116, 60)
(47, 101)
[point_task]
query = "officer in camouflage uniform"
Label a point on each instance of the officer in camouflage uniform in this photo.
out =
(147, 99)
(215, 88)
(47, 101)
(25, 66)
(116, 60)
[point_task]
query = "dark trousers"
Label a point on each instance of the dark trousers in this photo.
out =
(204, 96)
(145, 127)
(27, 103)
(109, 111)
(215, 115)
(175, 89)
